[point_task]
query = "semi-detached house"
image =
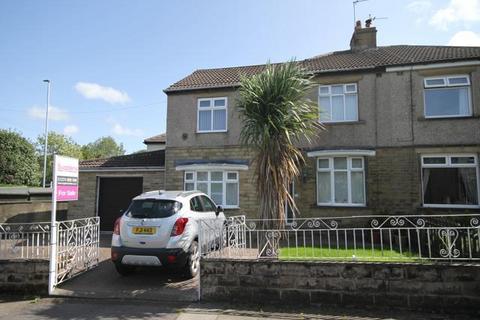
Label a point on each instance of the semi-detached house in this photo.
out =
(402, 132)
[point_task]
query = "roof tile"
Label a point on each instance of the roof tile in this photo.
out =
(331, 62)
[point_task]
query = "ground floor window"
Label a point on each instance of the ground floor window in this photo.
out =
(450, 180)
(341, 181)
(221, 186)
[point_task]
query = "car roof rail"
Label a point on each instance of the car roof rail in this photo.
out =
(187, 193)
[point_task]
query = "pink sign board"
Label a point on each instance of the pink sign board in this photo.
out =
(67, 193)
(66, 178)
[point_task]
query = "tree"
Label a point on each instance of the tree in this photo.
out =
(57, 144)
(102, 148)
(18, 162)
(276, 115)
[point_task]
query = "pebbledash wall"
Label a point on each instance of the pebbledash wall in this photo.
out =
(393, 181)
(88, 181)
(441, 287)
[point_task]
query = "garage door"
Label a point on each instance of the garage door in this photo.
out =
(114, 195)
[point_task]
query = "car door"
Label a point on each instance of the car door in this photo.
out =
(210, 209)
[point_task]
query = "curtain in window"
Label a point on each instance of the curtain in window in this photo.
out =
(468, 178)
(463, 101)
(426, 178)
(357, 187)
(204, 120)
(231, 194)
(219, 119)
(324, 192)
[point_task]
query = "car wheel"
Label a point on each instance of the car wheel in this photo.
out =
(193, 262)
(124, 270)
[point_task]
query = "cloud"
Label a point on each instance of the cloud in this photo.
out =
(120, 130)
(96, 91)
(465, 11)
(70, 130)
(54, 113)
(465, 38)
(419, 6)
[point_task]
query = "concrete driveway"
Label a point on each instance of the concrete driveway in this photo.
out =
(145, 284)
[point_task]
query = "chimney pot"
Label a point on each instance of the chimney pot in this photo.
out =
(363, 38)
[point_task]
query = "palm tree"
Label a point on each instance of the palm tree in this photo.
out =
(276, 115)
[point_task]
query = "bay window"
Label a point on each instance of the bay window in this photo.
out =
(450, 180)
(221, 186)
(341, 181)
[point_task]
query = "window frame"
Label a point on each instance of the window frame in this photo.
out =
(209, 181)
(447, 86)
(330, 95)
(448, 164)
(212, 108)
(349, 171)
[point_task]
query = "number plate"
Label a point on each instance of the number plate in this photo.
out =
(143, 230)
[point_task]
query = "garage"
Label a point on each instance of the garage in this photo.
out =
(107, 186)
(114, 196)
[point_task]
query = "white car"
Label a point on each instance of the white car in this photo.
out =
(160, 228)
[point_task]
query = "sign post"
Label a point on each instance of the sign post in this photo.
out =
(64, 188)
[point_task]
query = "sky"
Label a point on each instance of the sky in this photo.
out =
(109, 61)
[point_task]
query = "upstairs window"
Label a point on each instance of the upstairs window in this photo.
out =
(450, 180)
(447, 97)
(338, 103)
(212, 115)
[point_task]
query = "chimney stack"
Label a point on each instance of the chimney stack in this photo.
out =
(363, 38)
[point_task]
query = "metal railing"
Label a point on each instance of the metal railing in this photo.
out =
(77, 244)
(77, 247)
(25, 240)
(354, 238)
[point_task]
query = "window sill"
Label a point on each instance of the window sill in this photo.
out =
(450, 207)
(447, 118)
(344, 206)
(336, 123)
(218, 131)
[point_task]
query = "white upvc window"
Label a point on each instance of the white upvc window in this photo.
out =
(338, 102)
(447, 97)
(450, 181)
(341, 181)
(212, 114)
(221, 186)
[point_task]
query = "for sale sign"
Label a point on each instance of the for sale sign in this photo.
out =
(66, 178)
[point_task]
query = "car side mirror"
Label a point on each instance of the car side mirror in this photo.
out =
(219, 209)
(121, 211)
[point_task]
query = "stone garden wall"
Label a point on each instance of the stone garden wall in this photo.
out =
(27, 277)
(451, 287)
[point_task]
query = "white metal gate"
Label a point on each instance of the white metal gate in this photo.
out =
(77, 247)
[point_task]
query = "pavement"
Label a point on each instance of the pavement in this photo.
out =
(80, 309)
(103, 282)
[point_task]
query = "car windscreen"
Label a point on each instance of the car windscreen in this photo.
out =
(152, 208)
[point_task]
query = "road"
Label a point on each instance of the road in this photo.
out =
(103, 309)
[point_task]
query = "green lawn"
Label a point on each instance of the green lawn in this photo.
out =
(349, 254)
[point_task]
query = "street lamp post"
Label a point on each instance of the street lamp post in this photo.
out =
(46, 134)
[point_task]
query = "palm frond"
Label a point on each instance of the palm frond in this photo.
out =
(276, 115)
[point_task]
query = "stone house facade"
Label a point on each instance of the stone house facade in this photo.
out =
(402, 133)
